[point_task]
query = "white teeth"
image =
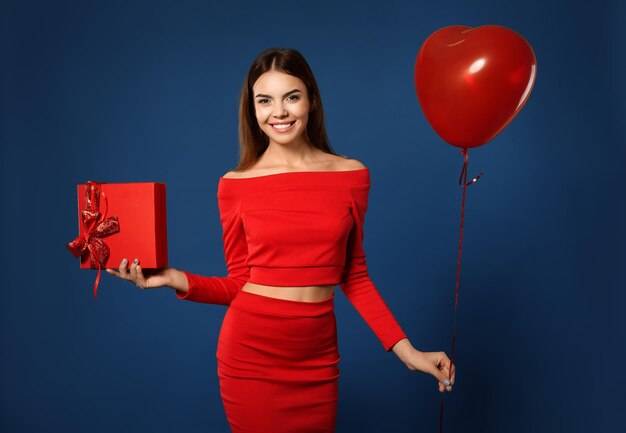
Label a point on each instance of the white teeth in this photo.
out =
(284, 126)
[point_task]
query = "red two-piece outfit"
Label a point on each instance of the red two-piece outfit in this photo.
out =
(278, 359)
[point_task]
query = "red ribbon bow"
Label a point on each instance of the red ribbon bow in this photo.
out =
(96, 226)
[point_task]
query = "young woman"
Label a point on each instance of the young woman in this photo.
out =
(292, 214)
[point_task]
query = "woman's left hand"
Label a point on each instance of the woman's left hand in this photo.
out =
(435, 363)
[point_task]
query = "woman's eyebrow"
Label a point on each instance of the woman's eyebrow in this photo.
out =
(286, 94)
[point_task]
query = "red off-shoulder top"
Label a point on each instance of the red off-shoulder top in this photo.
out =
(299, 228)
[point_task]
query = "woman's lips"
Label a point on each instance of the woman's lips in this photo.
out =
(283, 129)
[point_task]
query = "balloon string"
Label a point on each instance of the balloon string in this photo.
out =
(464, 184)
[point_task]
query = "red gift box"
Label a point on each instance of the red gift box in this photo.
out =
(128, 218)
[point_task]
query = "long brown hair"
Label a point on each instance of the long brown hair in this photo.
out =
(252, 140)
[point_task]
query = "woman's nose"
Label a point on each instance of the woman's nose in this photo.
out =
(279, 110)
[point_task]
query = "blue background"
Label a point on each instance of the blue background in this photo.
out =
(148, 91)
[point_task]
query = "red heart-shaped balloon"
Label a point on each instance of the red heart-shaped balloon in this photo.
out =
(472, 82)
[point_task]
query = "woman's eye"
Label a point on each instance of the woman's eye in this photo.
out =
(295, 97)
(262, 101)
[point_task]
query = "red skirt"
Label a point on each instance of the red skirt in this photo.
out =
(278, 365)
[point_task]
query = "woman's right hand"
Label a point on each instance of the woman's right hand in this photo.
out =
(143, 279)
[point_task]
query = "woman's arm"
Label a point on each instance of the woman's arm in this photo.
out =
(200, 288)
(434, 363)
(177, 280)
(151, 278)
(193, 287)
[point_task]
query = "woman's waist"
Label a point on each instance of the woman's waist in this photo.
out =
(292, 293)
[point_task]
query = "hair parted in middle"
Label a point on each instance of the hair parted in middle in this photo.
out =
(252, 141)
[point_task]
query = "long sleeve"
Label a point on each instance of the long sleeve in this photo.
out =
(356, 283)
(222, 290)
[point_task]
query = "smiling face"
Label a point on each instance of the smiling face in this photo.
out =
(282, 106)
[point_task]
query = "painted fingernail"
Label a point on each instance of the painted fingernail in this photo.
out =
(135, 261)
(124, 261)
(447, 382)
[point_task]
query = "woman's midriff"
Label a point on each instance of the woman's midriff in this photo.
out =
(301, 294)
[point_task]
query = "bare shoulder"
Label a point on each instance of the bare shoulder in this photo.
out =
(233, 175)
(352, 164)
